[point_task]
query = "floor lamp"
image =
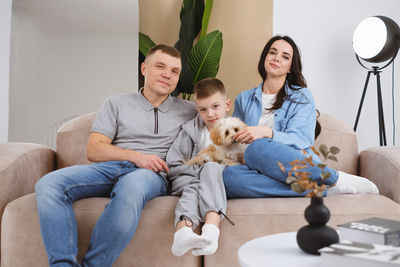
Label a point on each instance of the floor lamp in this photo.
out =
(376, 40)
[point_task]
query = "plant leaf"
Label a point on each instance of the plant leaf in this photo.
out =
(321, 165)
(206, 17)
(145, 43)
(185, 84)
(310, 194)
(332, 157)
(309, 161)
(297, 188)
(191, 18)
(325, 175)
(334, 150)
(320, 194)
(199, 11)
(204, 57)
(323, 149)
(281, 167)
(141, 59)
(315, 151)
(291, 179)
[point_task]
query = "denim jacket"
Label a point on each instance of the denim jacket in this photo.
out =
(294, 121)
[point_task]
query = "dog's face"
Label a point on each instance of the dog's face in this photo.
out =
(223, 131)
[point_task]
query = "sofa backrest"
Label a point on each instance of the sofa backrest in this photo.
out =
(334, 132)
(72, 139)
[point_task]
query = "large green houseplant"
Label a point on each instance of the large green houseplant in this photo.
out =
(201, 52)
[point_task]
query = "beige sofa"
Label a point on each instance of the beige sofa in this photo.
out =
(22, 164)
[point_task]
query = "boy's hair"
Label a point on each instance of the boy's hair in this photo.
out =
(208, 87)
(166, 49)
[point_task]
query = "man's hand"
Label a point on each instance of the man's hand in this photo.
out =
(150, 162)
(99, 149)
(249, 134)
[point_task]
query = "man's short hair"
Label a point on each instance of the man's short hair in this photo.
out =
(166, 49)
(208, 87)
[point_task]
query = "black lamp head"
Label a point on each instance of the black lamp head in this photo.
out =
(376, 39)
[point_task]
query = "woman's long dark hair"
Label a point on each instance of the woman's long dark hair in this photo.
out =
(295, 79)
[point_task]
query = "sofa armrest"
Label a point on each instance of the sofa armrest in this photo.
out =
(21, 166)
(381, 165)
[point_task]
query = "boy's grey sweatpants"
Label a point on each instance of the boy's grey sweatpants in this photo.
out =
(201, 194)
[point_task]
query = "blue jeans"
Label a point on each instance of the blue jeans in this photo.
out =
(262, 177)
(129, 189)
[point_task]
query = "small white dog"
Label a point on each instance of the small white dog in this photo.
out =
(224, 150)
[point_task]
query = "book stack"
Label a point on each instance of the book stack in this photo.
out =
(370, 242)
(353, 254)
(372, 230)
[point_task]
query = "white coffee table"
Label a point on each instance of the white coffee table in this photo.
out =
(276, 250)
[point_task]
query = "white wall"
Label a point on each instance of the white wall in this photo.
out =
(5, 24)
(323, 30)
(66, 58)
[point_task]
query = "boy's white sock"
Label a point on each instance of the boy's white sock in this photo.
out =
(211, 233)
(352, 184)
(185, 239)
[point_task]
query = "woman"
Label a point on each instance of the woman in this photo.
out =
(281, 115)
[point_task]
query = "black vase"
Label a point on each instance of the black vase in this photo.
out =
(316, 234)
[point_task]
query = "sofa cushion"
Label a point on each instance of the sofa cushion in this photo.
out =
(151, 245)
(335, 132)
(382, 162)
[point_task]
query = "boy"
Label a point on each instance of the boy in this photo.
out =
(202, 190)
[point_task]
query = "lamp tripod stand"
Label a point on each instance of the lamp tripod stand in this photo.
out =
(382, 131)
(376, 71)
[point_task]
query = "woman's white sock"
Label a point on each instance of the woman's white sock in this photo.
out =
(352, 184)
(185, 239)
(211, 234)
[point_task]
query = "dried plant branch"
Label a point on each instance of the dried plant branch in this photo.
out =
(300, 181)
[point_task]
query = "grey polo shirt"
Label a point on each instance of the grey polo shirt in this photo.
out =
(133, 123)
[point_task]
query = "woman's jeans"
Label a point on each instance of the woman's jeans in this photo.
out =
(129, 189)
(262, 177)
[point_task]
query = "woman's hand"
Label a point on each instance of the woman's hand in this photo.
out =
(251, 133)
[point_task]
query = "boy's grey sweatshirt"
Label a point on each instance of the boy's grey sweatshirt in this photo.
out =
(185, 146)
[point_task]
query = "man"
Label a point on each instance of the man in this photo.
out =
(129, 140)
